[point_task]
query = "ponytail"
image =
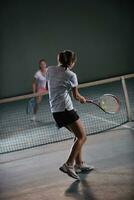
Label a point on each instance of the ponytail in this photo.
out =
(66, 58)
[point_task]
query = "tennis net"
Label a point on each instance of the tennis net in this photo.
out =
(18, 132)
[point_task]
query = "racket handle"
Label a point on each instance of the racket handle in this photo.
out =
(89, 101)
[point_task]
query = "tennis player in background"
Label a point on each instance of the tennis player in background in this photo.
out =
(59, 78)
(39, 85)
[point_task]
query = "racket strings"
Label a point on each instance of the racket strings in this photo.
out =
(109, 104)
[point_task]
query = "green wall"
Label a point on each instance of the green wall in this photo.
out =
(101, 32)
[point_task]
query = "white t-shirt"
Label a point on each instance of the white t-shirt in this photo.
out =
(40, 79)
(59, 80)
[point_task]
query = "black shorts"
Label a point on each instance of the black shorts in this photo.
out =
(65, 118)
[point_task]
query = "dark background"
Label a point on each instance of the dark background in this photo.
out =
(100, 32)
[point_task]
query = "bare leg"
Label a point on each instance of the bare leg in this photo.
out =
(78, 159)
(38, 101)
(36, 108)
(79, 132)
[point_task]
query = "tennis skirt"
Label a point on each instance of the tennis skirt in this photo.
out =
(65, 118)
(42, 90)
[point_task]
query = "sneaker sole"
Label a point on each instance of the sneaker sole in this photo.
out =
(84, 170)
(61, 169)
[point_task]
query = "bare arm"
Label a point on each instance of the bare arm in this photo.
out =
(78, 96)
(34, 86)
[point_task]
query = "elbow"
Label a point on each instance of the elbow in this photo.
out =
(33, 82)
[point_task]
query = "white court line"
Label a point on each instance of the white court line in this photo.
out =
(111, 122)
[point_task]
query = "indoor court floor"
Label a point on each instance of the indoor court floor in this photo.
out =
(33, 174)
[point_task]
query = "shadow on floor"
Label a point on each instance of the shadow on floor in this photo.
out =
(80, 190)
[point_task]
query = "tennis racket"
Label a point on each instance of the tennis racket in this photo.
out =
(108, 103)
(30, 106)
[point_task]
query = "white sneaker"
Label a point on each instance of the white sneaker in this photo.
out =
(70, 171)
(83, 167)
(33, 118)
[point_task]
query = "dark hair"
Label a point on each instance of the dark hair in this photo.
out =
(66, 57)
(40, 61)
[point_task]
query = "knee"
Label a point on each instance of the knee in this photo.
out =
(38, 101)
(82, 139)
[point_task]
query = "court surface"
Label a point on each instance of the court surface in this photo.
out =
(33, 174)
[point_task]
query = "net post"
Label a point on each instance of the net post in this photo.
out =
(126, 98)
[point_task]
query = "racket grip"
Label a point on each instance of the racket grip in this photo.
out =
(89, 101)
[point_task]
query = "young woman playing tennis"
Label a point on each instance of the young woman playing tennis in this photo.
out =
(59, 77)
(39, 85)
